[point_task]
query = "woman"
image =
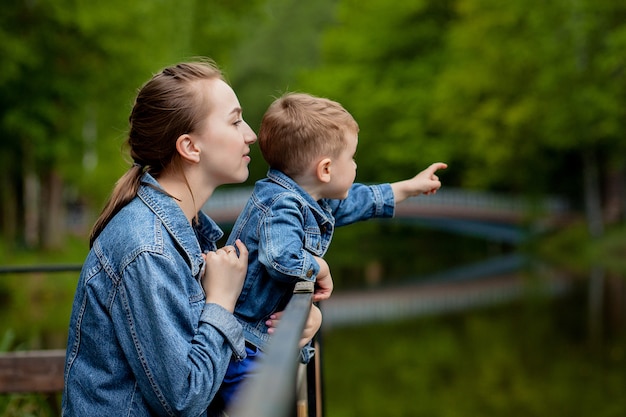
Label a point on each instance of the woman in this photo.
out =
(152, 330)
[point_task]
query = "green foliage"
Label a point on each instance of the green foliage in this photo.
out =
(29, 405)
(572, 249)
(527, 82)
(278, 41)
(7, 340)
(69, 73)
(380, 61)
(509, 93)
(36, 306)
(610, 250)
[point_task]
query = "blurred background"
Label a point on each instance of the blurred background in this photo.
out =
(502, 295)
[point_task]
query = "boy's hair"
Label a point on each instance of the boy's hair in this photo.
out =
(297, 128)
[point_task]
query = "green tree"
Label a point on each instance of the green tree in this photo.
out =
(69, 73)
(281, 39)
(380, 61)
(533, 96)
(531, 93)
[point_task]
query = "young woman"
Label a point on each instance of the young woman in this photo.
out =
(152, 330)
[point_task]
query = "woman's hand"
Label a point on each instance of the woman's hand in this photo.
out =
(312, 325)
(224, 275)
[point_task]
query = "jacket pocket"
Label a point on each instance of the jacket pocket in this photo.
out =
(313, 243)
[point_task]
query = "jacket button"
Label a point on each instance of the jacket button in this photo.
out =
(309, 273)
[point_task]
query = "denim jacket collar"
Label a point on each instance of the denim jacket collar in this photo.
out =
(205, 230)
(320, 208)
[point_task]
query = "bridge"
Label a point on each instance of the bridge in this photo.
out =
(485, 283)
(499, 217)
(449, 203)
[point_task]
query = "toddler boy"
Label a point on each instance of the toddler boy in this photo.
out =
(289, 220)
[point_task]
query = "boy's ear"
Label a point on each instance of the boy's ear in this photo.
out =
(187, 148)
(323, 170)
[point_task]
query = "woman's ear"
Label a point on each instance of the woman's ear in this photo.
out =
(323, 170)
(187, 148)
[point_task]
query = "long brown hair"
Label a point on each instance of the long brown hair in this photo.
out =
(166, 107)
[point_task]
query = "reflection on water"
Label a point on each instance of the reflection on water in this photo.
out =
(385, 252)
(495, 281)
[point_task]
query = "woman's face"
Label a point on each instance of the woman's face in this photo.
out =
(224, 137)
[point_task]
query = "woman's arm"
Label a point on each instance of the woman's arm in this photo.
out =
(176, 344)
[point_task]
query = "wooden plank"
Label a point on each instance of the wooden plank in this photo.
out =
(32, 371)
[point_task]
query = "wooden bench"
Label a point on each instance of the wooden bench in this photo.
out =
(35, 371)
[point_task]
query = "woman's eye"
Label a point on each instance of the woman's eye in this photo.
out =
(238, 122)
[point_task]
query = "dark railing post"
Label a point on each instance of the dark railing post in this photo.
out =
(315, 388)
(272, 392)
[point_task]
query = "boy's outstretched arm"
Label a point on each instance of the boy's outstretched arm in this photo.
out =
(426, 182)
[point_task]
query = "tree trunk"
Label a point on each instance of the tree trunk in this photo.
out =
(9, 220)
(614, 213)
(53, 214)
(31, 209)
(593, 200)
(595, 224)
(616, 300)
(615, 196)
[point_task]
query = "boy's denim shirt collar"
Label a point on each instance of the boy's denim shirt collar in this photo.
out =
(320, 208)
(206, 230)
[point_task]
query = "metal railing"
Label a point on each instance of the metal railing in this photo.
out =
(25, 269)
(280, 387)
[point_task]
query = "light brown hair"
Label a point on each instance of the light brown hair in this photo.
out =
(166, 107)
(297, 128)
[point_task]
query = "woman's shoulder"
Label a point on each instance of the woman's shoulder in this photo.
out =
(133, 227)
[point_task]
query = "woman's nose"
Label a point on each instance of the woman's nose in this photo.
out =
(250, 136)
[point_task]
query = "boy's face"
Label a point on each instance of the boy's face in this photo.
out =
(343, 170)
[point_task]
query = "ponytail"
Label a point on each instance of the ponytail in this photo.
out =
(125, 190)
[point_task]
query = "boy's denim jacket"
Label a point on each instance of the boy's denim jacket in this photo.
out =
(283, 228)
(142, 341)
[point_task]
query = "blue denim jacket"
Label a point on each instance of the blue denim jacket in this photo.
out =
(142, 341)
(283, 228)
